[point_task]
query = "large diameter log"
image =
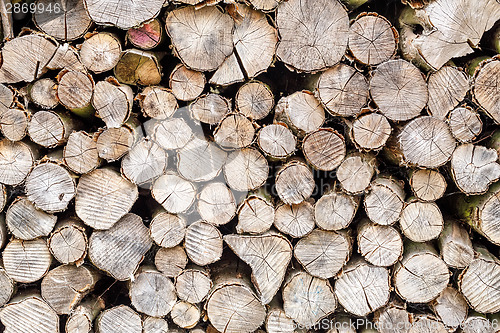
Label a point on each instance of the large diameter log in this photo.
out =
(26, 261)
(171, 261)
(50, 128)
(193, 285)
(68, 242)
(112, 102)
(157, 102)
(450, 307)
(276, 141)
(120, 318)
(255, 215)
(385, 200)
(26, 222)
(100, 52)
(294, 182)
(203, 243)
(465, 124)
(313, 34)
(167, 230)
(380, 245)
(455, 245)
(81, 318)
(254, 99)
(80, 152)
(295, 220)
(246, 169)
(14, 123)
(421, 221)
(200, 160)
(335, 210)
(427, 184)
(355, 172)
(16, 161)
(484, 89)
(119, 250)
(145, 162)
(447, 88)
(174, 193)
(324, 149)
(186, 84)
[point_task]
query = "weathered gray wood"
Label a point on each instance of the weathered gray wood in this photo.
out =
(119, 318)
(385, 200)
(16, 161)
(81, 318)
(171, 261)
(380, 245)
(26, 261)
(27, 222)
(216, 203)
(335, 210)
(167, 230)
(185, 315)
(157, 102)
(203, 243)
(185, 83)
(455, 245)
(324, 149)
(355, 172)
(294, 220)
(294, 182)
(465, 124)
(100, 52)
(427, 184)
(193, 285)
(68, 242)
(450, 307)
(421, 221)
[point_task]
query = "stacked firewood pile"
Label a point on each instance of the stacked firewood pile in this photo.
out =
(279, 166)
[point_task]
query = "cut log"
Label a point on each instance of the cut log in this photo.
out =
(80, 152)
(174, 193)
(307, 299)
(323, 253)
(234, 131)
(427, 324)
(324, 149)
(421, 275)
(447, 88)
(268, 256)
(478, 323)
(210, 108)
(145, 162)
(370, 131)
(43, 93)
(14, 123)
(278, 322)
(26, 222)
(68, 243)
(81, 318)
(421, 221)
(465, 124)
(113, 143)
(171, 261)
(276, 141)
(100, 52)
(246, 169)
(172, 133)
(474, 168)
(313, 34)
(203, 243)
(393, 318)
(154, 325)
(216, 204)
(65, 286)
(335, 210)
(372, 39)
(157, 102)
(119, 250)
(75, 91)
(360, 278)
(186, 84)
(7, 287)
(112, 102)
(202, 38)
(301, 111)
(355, 172)
(399, 90)
(200, 160)
(455, 245)
(138, 67)
(16, 161)
(103, 197)
(255, 215)
(294, 182)
(147, 36)
(26, 261)
(427, 185)
(152, 293)
(380, 245)
(120, 318)
(485, 88)
(385, 200)
(50, 128)
(185, 315)
(450, 307)
(193, 285)
(254, 99)
(295, 220)
(167, 230)
(66, 56)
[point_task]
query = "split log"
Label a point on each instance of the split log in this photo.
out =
(113, 143)
(335, 210)
(234, 131)
(203, 243)
(268, 256)
(323, 253)
(172, 133)
(112, 102)
(370, 131)
(186, 84)
(14, 123)
(138, 67)
(447, 88)
(100, 52)
(103, 197)
(254, 99)
(147, 36)
(384, 201)
(119, 250)
(450, 307)
(421, 275)
(26, 261)
(380, 245)
(81, 318)
(167, 230)
(484, 89)
(145, 162)
(295, 220)
(66, 56)
(324, 149)
(372, 39)
(7, 287)
(427, 184)
(360, 278)
(278, 322)
(301, 111)
(399, 90)
(455, 245)
(255, 215)
(65, 286)
(202, 38)
(427, 324)
(276, 141)
(307, 299)
(80, 152)
(210, 108)
(216, 204)
(50, 128)
(421, 221)
(185, 315)
(70, 22)
(120, 318)
(200, 160)
(154, 325)
(16, 161)
(355, 172)
(157, 102)
(152, 293)
(171, 261)
(246, 169)
(193, 285)
(465, 124)
(68, 242)
(313, 34)
(26, 222)
(393, 318)
(43, 93)
(75, 91)
(294, 182)
(174, 193)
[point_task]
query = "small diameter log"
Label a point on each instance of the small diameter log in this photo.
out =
(186, 84)
(216, 204)
(324, 149)
(43, 93)
(421, 275)
(147, 36)
(26, 222)
(26, 261)
(255, 215)
(294, 182)
(301, 111)
(254, 99)
(265, 5)
(335, 210)
(14, 123)
(103, 197)
(112, 102)
(478, 283)
(68, 242)
(6, 98)
(152, 293)
(202, 38)
(100, 52)
(203, 243)
(455, 245)
(80, 152)
(485, 90)
(50, 187)
(65, 286)
(16, 161)
(450, 307)
(426, 142)
(234, 131)
(305, 46)
(370, 131)
(81, 318)
(7, 287)
(246, 169)
(278, 322)
(421, 221)
(120, 318)
(447, 88)
(29, 313)
(113, 143)
(427, 184)
(385, 200)
(119, 250)
(70, 22)
(154, 325)
(323, 253)
(268, 256)
(167, 230)
(276, 141)
(355, 172)
(393, 318)
(210, 108)
(138, 67)
(75, 91)
(427, 324)
(145, 162)
(173, 133)
(380, 245)
(372, 39)
(171, 261)
(399, 90)
(307, 299)
(50, 128)
(361, 278)
(174, 193)
(200, 160)
(157, 102)
(478, 323)
(185, 315)
(295, 220)
(474, 168)
(465, 124)
(193, 285)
